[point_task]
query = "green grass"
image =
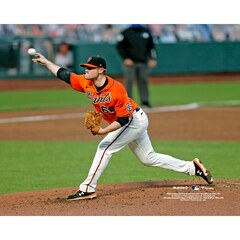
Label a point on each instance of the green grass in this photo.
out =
(27, 166)
(207, 93)
(198, 92)
(41, 99)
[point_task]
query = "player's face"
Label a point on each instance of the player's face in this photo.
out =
(91, 73)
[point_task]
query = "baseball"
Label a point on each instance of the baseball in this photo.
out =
(31, 51)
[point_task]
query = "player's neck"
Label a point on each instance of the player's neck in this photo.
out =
(100, 81)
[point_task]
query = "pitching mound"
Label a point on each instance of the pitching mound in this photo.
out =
(153, 198)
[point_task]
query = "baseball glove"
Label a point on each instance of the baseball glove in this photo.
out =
(92, 121)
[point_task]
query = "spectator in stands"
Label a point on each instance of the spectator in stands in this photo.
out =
(234, 32)
(205, 31)
(138, 52)
(184, 34)
(219, 33)
(167, 35)
(64, 56)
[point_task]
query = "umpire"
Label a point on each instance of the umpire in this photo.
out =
(135, 46)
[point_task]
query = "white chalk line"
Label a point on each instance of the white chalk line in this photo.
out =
(38, 118)
(173, 108)
(42, 118)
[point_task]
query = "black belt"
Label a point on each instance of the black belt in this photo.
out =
(137, 109)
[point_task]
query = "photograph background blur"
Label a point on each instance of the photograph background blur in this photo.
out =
(182, 48)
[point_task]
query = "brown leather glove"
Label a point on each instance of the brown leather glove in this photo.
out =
(92, 121)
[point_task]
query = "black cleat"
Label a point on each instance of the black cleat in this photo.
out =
(202, 172)
(80, 195)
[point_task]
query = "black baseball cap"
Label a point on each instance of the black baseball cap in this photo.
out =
(95, 62)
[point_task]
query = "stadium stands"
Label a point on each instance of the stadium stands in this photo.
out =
(163, 33)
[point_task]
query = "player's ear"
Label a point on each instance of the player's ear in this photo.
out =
(102, 70)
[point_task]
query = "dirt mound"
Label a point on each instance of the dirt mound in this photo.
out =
(153, 198)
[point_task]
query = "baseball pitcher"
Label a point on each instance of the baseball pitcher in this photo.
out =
(127, 124)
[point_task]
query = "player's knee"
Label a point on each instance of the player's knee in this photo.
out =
(104, 149)
(148, 159)
(103, 145)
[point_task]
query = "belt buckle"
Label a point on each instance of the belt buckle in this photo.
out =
(137, 109)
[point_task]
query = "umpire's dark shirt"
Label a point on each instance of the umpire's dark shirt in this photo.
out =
(136, 44)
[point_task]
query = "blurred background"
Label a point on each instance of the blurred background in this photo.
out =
(182, 48)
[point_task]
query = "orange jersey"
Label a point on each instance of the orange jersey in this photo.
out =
(112, 101)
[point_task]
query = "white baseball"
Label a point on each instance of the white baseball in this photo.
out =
(31, 51)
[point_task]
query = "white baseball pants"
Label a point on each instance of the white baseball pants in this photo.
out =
(135, 135)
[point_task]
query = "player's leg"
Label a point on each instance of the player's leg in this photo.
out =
(143, 149)
(111, 144)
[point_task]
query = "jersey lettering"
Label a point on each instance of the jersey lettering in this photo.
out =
(103, 98)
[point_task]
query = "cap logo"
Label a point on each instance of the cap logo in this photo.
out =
(94, 62)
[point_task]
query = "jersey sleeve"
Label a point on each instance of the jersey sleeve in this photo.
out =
(77, 82)
(123, 105)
